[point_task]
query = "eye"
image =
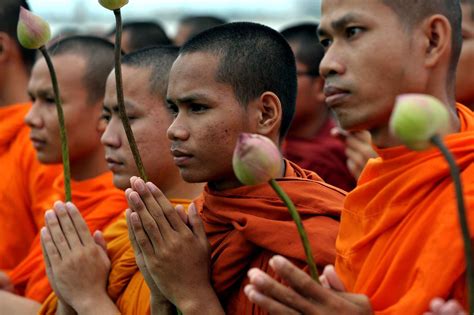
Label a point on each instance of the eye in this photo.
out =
(173, 109)
(197, 108)
(325, 42)
(49, 100)
(105, 117)
(353, 31)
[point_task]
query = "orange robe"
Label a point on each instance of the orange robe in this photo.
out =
(23, 183)
(99, 202)
(246, 226)
(126, 286)
(400, 241)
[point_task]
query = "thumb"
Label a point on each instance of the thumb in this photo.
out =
(99, 240)
(333, 279)
(196, 222)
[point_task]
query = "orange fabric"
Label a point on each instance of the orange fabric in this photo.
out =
(400, 241)
(127, 287)
(23, 183)
(246, 226)
(100, 204)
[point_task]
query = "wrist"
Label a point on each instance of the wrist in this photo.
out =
(204, 302)
(98, 304)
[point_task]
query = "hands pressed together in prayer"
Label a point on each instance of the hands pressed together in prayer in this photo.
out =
(77, 264)
(173, 256)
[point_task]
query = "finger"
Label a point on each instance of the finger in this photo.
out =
(452, 307)
(99, 240)
(196, 223)
(436, 304)
(141, 238)
(297, 279)
(131, 233)
(363, 136)
(182, 213)
(80, 224)
(267, 303)
(149, 225)
(67, 226)
(56, 233)
(166, 208)
(358, 159)
(50, 252)
(333, 279)
(277, 291)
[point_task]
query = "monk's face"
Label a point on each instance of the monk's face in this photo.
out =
(464, 76)
(208, 119)
(149, 120)
(81, 117)
(368, 61)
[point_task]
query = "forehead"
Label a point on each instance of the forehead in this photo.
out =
(196, 73)
(69, 70)
(335, 13)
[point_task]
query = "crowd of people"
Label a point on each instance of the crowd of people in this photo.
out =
(381, 219)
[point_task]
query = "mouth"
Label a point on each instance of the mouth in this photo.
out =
(113, 164)
(181, 158)
(38, 143)
(334, 95)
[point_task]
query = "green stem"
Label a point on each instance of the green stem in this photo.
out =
(466, 235)
(120, 98)
(301, 231)
(62, 125)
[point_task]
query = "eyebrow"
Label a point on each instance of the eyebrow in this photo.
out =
(188, 98)
(340, 23)
(114, 108)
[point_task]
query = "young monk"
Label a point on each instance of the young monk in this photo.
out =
(145, 79)
(82, 64)
(235, 78)
(399, 243)
(24, 181)
(464, 78)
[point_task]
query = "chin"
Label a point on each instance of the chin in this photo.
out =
(192, 177)
(48, 159)
(121, 182)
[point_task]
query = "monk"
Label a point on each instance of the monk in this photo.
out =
(464, 79)
(309, 142)
(399, 244)
(24, 181)
(118, 286)
(235, 78)
(82, 64)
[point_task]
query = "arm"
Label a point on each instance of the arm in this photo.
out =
(176, 256)
(76, 263)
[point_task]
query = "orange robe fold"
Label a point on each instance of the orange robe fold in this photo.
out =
(400, 241)
(99, 202)
(24, 182)
(126, 286)
(246, 226)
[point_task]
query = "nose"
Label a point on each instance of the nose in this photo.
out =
(111, 137)
(33, 118)
(178, 130)
(332, 63)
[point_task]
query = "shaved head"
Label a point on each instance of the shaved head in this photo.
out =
(411, 13)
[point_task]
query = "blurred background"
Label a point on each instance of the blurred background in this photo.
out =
(88, 16)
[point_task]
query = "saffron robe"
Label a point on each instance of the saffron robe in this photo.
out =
(399, 241)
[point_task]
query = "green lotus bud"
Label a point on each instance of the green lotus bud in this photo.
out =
(33, 32)
(416, 118)
(256, 159)
(113, 4)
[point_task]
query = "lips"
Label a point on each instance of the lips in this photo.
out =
(37, 142)
(334, 95)
(180, 157)
(113, 164)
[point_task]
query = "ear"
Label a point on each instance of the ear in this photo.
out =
(269, 115)
(5, 47)
(438, 34)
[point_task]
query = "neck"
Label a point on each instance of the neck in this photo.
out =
(184, 190)
(14, 86)
(309, 126)
(91, 166)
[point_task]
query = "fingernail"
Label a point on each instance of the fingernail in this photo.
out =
(254, 295)
(247, 289)
(140, 186)
(69, 206)
(135, 199)
(50, 215)
(152, 187)
(44, 231)
(276, 261)
(134, 218)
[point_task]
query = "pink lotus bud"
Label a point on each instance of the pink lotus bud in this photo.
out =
(33, 32)
(256, 159)
(113, 4)
(416, 118)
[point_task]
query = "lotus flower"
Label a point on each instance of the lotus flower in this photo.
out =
(33, 32)
(416, 118)
(113, 4)
(256, 159)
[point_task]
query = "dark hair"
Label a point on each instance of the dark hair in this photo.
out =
(198, 24)
(253, 59)
(143, 34)
(308, 50)
(158, 60)
(9, 15)
(412, 12)
(99, 56)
